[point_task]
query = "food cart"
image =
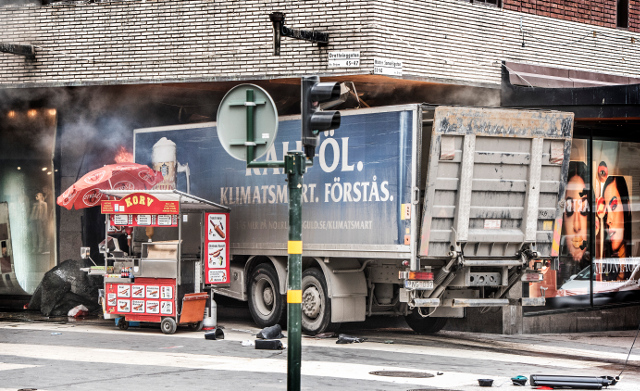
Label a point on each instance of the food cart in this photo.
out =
(173, 240)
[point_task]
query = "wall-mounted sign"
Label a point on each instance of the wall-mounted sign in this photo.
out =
(386, 66)
(343, 59)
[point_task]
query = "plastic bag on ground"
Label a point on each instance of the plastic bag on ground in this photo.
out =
(65, 287)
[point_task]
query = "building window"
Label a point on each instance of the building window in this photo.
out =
(494, 3)
(623, 13)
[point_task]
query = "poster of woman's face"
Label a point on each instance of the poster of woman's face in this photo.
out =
(616, 220)
(597, 249)
(576, 211)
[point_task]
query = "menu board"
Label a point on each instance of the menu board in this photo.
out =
(143, 220)
(145, 296)
(217, 248)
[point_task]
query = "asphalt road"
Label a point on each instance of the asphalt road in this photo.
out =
(92, 354)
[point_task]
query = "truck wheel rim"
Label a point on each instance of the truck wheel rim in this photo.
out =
(311, 302)
(264, 295)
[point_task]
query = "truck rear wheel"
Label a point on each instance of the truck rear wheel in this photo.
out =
(316, 305)
(266, 304)
(426, 325)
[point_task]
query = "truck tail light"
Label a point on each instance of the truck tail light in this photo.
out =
(425, 276)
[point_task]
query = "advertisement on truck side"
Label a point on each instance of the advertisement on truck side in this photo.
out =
(355, 196)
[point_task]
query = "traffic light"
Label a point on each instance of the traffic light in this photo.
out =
(315, 120)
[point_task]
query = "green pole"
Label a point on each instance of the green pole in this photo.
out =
(250, 126)
(295, 167)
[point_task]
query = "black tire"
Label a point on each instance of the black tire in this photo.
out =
(266, 304)
(168, 326)
(316, 304)
(123, 324)
(426, 325)
(195, 326)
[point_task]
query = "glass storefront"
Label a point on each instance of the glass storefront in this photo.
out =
(599, 261)
(27, 203)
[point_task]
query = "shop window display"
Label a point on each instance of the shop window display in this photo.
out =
(612, 274)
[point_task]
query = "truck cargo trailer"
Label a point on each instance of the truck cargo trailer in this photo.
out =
(415, 210)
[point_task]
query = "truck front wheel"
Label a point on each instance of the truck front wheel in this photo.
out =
(426, 325)
(316, 305)
(266, 304)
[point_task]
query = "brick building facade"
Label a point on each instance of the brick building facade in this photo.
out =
(445, 41)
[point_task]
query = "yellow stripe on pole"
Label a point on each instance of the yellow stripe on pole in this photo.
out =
(295, 247)
(294, 296)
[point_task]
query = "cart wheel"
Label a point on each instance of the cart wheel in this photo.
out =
(195, 326)
(168, 326)
(123, 324)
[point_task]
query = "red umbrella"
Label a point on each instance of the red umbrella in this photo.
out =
(123, 176)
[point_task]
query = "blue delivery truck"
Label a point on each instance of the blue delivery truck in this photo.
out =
(417, 211)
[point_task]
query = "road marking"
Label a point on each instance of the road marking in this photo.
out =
(5, 366)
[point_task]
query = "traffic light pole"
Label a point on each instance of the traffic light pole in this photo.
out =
(295, 166)
(313, 121)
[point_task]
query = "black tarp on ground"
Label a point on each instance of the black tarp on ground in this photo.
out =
(66, 286)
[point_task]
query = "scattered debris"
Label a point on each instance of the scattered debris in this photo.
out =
(270, 332)
(78, 311)
(440, 373)
(345, 339)
(214, 334)
(388, 342)
(269, 344)
(56, 333)
(519, 380)
(580, 382)
(485, 382)
(248, 343)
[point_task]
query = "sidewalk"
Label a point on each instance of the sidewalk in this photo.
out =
(608, 346)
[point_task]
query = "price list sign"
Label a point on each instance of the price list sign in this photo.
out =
(216, 245)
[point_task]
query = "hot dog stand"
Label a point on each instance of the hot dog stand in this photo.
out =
(178, 246)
